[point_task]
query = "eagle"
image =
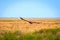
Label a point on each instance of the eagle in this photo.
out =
(28, 21)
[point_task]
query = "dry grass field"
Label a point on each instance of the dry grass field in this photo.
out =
(46, 29)
(25, 27)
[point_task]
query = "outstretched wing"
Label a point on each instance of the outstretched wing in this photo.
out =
(25, 20)
(21, 18)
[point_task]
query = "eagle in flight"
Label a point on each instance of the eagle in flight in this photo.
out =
(29, 21)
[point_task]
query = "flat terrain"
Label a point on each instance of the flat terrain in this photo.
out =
(25, 27)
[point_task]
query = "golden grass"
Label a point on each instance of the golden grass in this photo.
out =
(25, 27)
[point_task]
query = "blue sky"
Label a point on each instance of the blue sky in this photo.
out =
(30, 8)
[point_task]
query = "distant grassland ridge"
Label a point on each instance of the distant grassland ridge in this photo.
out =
(25, 27)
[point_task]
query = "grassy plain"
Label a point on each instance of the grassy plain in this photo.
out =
(22, 30)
